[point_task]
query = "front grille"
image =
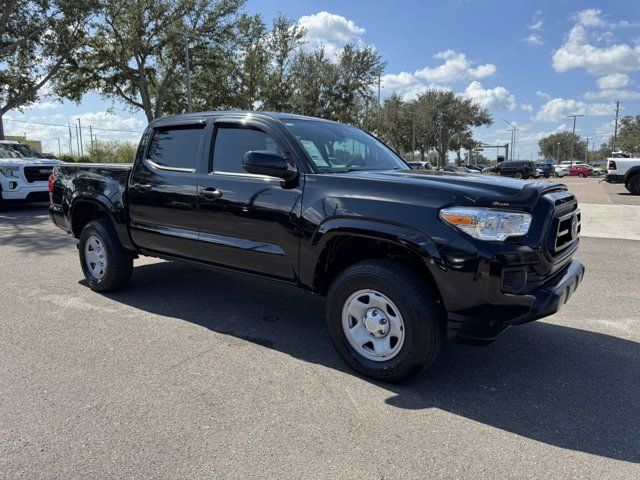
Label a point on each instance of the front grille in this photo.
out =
(566, 224)
(37, 174)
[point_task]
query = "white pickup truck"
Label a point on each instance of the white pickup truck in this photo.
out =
(622, 168)
(24, 173)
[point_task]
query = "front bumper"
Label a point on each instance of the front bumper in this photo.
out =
(17, 189)
(612, 178)
(485, 325)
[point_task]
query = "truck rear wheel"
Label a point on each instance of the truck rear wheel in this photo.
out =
(384, 320)
(633, 184)
(106, 264)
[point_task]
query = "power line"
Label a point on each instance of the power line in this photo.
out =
(65, 126)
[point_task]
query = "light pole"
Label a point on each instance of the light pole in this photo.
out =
(558, 152)
(573, 136)
(586, 153)
(513, 136)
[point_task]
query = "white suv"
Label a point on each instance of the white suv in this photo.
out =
(24, 172)
(624, 170)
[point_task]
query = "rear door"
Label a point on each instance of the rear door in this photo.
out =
(248, 221)
(162, 190)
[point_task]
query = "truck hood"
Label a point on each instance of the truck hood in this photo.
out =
(481, 190)
(28, 161)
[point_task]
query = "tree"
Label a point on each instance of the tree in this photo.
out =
(37, 39)
(629, 135)
(134, 51)
(443, 117)
(558, 146)
(395, 126)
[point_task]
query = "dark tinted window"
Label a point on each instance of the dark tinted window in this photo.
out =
(233, 141)
(176, 147)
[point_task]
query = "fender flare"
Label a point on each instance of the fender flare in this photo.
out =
(398, 234)
(116, 214)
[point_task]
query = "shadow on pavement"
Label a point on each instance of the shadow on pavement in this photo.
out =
(21, 225)
(562, 386)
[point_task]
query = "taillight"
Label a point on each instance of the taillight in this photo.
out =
(52, 179)
(612, 165)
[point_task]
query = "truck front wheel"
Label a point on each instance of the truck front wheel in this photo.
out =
(633, 184)
(384, 320)
(106, 264)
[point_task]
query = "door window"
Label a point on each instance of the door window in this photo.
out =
(233, 141)
(176, 147)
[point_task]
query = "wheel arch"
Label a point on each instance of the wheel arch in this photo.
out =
(340, 243)
(85, 208)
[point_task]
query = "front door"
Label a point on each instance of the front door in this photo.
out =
(162, 191)
(248, 221)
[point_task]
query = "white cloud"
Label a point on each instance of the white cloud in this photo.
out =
(578, 52)
(456, 67)
(533, 39)
(613, 80)
(557, 109)
(526, 107)
(498, 98)
(536, 22)
(612, 94)
(43, 106)
(404, 84)
(328, 27)
(544, 95)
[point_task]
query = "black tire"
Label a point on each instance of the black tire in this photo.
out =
(119, 260)
(422, 315)
(633, 184)
(517, 175)
(581, 175)
(547, 175)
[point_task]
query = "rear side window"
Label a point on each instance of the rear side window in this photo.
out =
(233, 141)
(176, 146)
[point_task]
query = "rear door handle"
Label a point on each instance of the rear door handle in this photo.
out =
(141, 187)
(210, 193)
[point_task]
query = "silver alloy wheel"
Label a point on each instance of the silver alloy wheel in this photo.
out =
(373, 325)
(95, 256)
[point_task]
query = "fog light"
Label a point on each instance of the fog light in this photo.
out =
(13, 185)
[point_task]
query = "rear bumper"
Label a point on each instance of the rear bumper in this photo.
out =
(612, 178)
(509, 309)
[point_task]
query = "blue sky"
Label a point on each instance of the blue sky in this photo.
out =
(531, 63)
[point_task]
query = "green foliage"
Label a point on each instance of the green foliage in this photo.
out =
(558, 146)
(629, 135)
(113, 151)
(37, 39)
(438, 120)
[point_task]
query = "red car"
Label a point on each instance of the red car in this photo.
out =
(580, 170)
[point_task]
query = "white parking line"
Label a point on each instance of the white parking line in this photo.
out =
(611, 221)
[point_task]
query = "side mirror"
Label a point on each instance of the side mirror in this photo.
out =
(272, 164)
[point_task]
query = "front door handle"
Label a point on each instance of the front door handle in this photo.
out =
(141, 187)
(210, 193)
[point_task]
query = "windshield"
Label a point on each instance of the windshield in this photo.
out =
(18, 150)
(335, 148)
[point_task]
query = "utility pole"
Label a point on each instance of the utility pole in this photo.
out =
(91, 136)
(78, 140)
(573, 136)
(615, 130)
(70, 142)
(413, 152)
(379, 90)
(81, 145)
(188, 69)
(59, 149)
(558, 152)
(586, 153)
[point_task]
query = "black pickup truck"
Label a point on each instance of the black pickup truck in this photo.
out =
(406, 258)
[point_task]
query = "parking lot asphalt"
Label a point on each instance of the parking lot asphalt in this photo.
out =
(193, 373)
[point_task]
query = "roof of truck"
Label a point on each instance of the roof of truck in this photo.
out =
(213, 113)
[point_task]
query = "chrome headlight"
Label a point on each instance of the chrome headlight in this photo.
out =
(10, 171)
(486, 223)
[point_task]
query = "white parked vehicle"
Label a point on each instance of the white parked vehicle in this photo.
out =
(560, 171)
(24, 172)
(624, 170)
